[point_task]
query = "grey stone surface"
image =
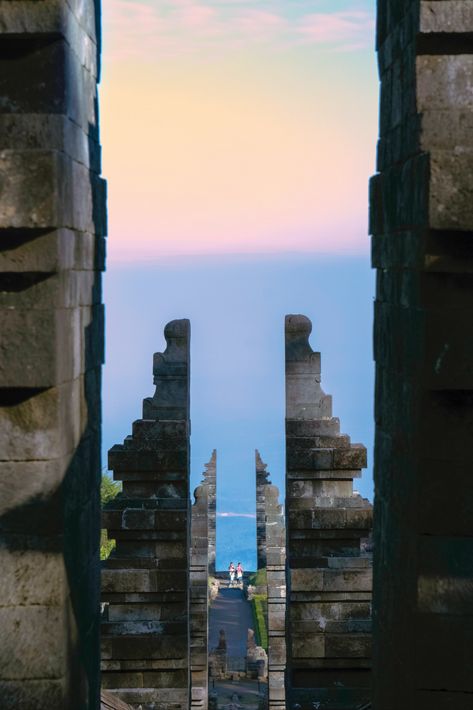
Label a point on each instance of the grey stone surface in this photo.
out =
(154, 611)
(275, 537)
(421, 226)
(327, 623)
(209, 477)
(52, 227)
(199, 598)
(262, 480)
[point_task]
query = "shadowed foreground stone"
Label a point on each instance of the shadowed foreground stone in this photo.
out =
(421, 223)
(145, 581)
(328, 625)
(276, 584)
(199, 600)
(52, 228)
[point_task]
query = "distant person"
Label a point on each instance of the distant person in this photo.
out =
(239, 571)
(231, 572)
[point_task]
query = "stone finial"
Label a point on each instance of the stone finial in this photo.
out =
(171, 375)
(305, 399)
(261, 466)
(297, 331)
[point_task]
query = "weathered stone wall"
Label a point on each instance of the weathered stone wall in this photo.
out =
(52, 224)
(199, 604)
(261, 483)
(328, 579)
(210, 479)
(145, 581)
(422, 227)
(276, 584)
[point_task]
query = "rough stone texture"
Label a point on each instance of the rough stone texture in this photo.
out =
(199, 600)
(262, 478)
(52, 228)
(328, 624)
(209, 477)
(422, 225)
(145, 581)
(276, 584)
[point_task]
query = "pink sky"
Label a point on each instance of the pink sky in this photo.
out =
(234, 127)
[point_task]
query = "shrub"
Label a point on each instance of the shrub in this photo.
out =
(259, 604)
(109, 489)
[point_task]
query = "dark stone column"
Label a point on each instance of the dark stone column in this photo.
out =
(210, 479)
(199, 605)
(276, 584)
(145, 581)
(52, 227)
(262, 479)
(422, 246)
(328, 577)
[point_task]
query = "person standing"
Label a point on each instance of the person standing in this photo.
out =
(231, 572)
(239, 571)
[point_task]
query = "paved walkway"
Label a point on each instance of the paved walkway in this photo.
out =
(231, 612)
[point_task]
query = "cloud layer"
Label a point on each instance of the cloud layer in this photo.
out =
(171, 28)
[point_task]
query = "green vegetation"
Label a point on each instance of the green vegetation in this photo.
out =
(108, 490)
(259, 604)
(258, 579)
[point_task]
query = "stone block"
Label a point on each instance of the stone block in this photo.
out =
(46, 189)
(47, 251)
(44, 348)
(44, 76)
(25, 694)
(32, 578)
(32, 18)
(446, 16)
(65, 289)
(451, 198)
(50, 132)
(39, 654)
(157, 461)
(45, 424)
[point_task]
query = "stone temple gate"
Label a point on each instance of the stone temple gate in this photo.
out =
(52, 236)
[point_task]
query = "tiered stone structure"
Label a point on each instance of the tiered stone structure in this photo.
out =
(422, 227)
(262, 479)
(276, 584)
(199, 599)
(329, 581)
(52, 224)
(210, 479)
(145, 581)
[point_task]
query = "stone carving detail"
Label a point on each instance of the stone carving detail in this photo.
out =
(199, 591)
(145, 582)
(328, 577)
(209, 477)
(262, 477)
(52, 228)
(276, 583)
(421, 204)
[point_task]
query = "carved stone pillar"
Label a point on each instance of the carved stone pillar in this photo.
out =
(261, 483)
(145, 581)
(422, 246)
(328, 577)
(52, 227)
(210, 479)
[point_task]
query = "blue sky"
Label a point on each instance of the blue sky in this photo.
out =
(238, 140)
(237, 306)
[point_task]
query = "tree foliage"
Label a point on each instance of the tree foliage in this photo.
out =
(109, 489)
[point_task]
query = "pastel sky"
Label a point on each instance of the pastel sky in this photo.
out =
(237, 126)
(238, 139)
